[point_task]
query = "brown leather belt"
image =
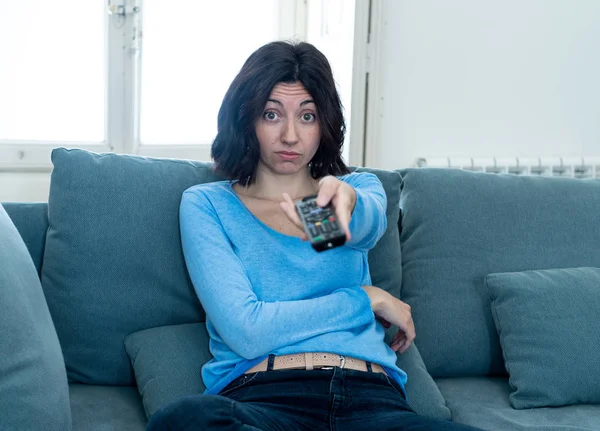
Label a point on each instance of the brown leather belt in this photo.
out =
(312, 361)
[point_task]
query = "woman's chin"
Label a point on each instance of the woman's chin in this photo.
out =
(288, 168)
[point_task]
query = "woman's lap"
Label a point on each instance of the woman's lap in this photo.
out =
(337, 399)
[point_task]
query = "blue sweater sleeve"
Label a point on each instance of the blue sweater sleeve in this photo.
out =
(251, 327)
(368, 222)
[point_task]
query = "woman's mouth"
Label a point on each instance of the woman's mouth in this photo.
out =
(288, 155)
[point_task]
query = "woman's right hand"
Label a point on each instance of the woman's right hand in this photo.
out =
(390, 310)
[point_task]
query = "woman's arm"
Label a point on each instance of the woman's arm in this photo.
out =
(360, 204)
(368, 220)
(391, 311)
(252, 328)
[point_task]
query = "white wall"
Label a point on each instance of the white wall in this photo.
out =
(24, 186)
(489, 78)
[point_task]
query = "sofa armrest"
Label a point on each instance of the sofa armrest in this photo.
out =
(422, 393)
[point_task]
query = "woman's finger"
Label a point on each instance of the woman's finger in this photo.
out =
(328, 187)
(404, 346)
(399, 341)
(399, 338)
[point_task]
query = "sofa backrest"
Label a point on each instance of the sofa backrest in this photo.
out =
(113, 263)
(458, 226)
(31, 220)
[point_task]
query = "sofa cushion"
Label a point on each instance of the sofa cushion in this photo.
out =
(31, 220)
(549, 329)
(458, 227)
(113, 263)
(384, 259)
(33, 381)
(106, 408)
(422, 394)
(168, 363)
(483, 402)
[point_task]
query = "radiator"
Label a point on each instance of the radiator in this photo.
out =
(575, 167)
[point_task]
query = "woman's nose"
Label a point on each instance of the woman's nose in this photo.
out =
(289, 135)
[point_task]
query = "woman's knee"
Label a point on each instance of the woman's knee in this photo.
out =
(192, 412)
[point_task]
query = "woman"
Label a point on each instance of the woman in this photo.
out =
(296, 335)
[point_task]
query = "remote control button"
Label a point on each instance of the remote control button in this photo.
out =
(334, 225)
(318, 238)
(305, 210)
(314, 231)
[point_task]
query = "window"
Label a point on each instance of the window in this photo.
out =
(52, 79)
(330, 27)
(146, 79)
(191, 53)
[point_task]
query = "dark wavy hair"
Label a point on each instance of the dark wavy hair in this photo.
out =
(236, 150)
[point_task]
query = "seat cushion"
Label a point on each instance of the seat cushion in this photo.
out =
(33, 381)
(549, 329)
(458, 227)
(106, 408)
(483, 402)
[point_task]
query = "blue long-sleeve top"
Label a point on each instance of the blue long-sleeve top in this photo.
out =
(265, 292)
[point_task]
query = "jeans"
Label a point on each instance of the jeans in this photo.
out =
(289, 400)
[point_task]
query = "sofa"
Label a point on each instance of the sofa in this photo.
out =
(101, 325)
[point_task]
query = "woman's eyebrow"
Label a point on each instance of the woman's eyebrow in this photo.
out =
(301, 103)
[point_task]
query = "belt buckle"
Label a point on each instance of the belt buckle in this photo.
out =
(342, 363)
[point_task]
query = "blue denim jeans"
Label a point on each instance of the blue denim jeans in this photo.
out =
(290, 400)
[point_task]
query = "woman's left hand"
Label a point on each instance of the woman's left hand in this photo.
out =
(389, 310)
(341, 195)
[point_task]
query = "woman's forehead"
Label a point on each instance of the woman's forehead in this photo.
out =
(290, 91)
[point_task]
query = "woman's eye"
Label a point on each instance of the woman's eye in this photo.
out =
(270, 116)
(308, 117)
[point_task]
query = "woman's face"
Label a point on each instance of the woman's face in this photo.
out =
(288, 130)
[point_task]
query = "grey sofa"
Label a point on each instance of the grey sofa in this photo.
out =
(105, 249)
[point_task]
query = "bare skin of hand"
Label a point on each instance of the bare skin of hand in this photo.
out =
(389, 310)
(341, 195)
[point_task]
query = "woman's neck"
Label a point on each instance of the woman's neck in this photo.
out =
(270, 186)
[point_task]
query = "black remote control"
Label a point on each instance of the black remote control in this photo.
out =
(320, 224)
